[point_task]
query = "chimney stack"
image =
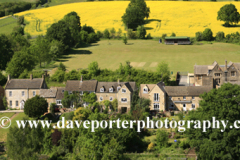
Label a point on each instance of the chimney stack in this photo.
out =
(31, 76)
(81, 79)
(226, 64)
(118, 81)
(9, 77)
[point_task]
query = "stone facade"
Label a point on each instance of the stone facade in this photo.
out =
(17, 91)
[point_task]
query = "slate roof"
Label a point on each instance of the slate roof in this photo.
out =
(186, 90)
(201, 69)
(35, 83)
(48, 93)
(60, 93)
(76, 85)
(130, 85)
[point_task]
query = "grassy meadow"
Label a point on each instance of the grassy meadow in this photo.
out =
(148, 53)
(7, 25)
(183, 18)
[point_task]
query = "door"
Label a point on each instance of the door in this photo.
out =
(22, 104)
(184, 107)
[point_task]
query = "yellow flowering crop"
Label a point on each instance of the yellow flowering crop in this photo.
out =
(181, 17)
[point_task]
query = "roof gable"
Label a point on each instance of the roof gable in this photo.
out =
(35, 83)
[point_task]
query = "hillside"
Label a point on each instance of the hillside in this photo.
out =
(183, 18)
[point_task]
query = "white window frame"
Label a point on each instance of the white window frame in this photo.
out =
(34, 93)
(124, 91)
(193, 97)
(193, 106)
(123, 101)
(156, 106)
(110, 98)
(111, 89)
(233, 72)
(81, 92)
(184, 97)
(10, 103)
(118, 88)
(23, 93)
(16, 103)
(145, 90)
(10, 93)
(100, 99)
(102, 89)
(59, 102)
(170, 98)
(156, 97)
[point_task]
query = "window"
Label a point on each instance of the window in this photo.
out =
(59, 102)
(101, 98)
(10, 93)
(156, 106)
(102, 89)
(118, 88)
(23, 93)
(217, 81)
(81, 92)
(184, 97)
(217, 74)
(124, 91)
(156, 97)
(124, 100)
(16, 103)
(70, 92)
(170, 98)
(63, 91)
(199, 77)
(10, 103)
(233, 73)
(193, 106)
(145, 90)
(111, 98)
(34, 93)
(110, 89)
(193, 98)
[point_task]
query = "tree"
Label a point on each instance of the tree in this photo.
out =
(3, 79)
(62, 67)
(6, 51)
(220, 36)
(125, 39)
(36, 106)
(20, 20)
(207, 34)
(163, 37)
(199, 36)
(119, 33)
(89, 97)
(141, 32)
(161, 139)
(81, 113)
(58, 76)
(106, 33)
(18, 42)
(88, 29)
(93, 68)
(173, 35)
(18, 30)
(113, 32)
(66, 101)
(164, 71)
(217, 142)
(83, 35)
(141, 4)
(20, 61)
(229, 14)
(56, 49)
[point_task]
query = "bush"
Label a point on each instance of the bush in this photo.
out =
(58, 76)
(52, 108)
(207, 34)
(3, 79)
(141, 32)
(29, 36)
(68, 116)
(199, 36)
(62, 67)
(24, 74)
(72, 75)
(84, 35)
(39, 5)
(131, 34)
(163, 37)
(34, 6)
(184, 144)
(149, 36)
(92, 37)
(46, 5)
(173, 35)
(220, 36)
(88, 29)
(106, 33)
(99, 35)
(20, 20)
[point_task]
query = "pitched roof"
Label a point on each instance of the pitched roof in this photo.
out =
(130, 85)
(179, 37)
(35, 83)
(201, 69)
(186, 90)
(60, 93)
(150, 87)
(75, 85)
(48, 93)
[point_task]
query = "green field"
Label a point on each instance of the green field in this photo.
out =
(7, 25)
(147, 54)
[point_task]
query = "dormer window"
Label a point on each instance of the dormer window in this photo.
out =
(145, 90)
(102, 89)
(118, 88)
(111, 89)
(63, 91)
(124, 90)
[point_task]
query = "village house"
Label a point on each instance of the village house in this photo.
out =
(17, 91)
(122, 91)
(165, 98)
(1, 97)
(53, 95)
(216, 74)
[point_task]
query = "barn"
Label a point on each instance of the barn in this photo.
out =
(177, 40)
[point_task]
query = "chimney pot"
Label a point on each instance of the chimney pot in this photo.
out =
(31, 76)
(81, 78)
(118, 81)
(9, 77)
(226, 64)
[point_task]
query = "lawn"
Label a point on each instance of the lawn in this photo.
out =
(3, 132)
(7, 25)
(147, 54)
(8, 114)
(183, 18)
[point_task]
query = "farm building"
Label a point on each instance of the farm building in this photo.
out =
(177, 40)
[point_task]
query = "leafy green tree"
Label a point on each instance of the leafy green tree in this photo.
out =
(207, 34)
(125, 39)
(115, 104)
(106, 33)
(119, 33)
(72, 75)
(3, 79)
(84, 35)
(141, 32)
(113, 150)
(229, 14)
(20, 61)
(36, 106)
(164, 71)
(89, 97)
(81, 113)
(131, 34)
(62, 67)
(217, 142)
(93, 68)
(88, 29)
(113, 32)
(18, 42)
(99, 34)
(56, 49)
(92, 37)
(20, 20)
(161, 139)
(163, 37)
(6, 51)
(66, 101)
(173, 35)
(17, 30)
(58, 76)
(220, 36)
(199, 36)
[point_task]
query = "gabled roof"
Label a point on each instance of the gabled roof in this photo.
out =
(48, 93)
(60, 93)
(201, 69)
(35, 83)
(186, 90)
(130, 85)
(76, 85)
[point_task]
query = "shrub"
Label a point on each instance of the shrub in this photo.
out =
(29, 36)
(20, 20)
(72, 75)
(84, 35)
(88, 29)
(106, 33)
(150, 146)
(131, 34)
(3, 79)
(68, 116)
(163, 37)
(99, 35)
(46, 5)
(173, 35)
(220, 36)
(149, 36)
(141, 32)
(62, 67)
(92, 37)
(34, 6)
(52, 108)
(207, 34)
(199, 36)
(113, 32)
(58, 76)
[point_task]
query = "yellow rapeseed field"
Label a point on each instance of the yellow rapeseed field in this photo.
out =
(182, 18)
